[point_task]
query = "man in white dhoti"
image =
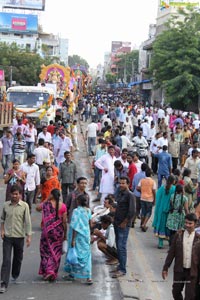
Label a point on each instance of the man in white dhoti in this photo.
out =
(106, 164)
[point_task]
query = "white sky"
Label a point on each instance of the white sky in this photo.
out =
(91, 25)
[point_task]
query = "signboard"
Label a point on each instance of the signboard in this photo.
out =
(18, 23)
(115, 46)
(178, 3)
(147, 86)
(2, 77)
(25, 4)
(183, 2)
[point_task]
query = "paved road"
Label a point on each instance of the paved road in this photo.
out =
(143, 279)
(31, 286)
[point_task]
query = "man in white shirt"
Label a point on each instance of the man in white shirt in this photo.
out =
(149, 117)
(123, 158)
(32, 184)
(161, 114)
(151, 132)
(91, 136)
(162, 141)
(125, 140)
(195, 147)
(41, 153)
(106, 243)
(196, 123)
(65, 144)
(185, 250)
(19, 125)
(106, 164)
(140, 140)
(45, 135)
(145, 128)
(30, 137)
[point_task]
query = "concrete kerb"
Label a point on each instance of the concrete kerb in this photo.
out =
(127, 283)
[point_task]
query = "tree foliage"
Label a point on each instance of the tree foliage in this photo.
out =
(77, 60)
(111, 78)
(175, 63)
(127, 64)
(21, 65)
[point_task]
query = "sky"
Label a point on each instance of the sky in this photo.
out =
(91, 25)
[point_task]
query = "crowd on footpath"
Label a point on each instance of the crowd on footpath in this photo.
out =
(143, 158)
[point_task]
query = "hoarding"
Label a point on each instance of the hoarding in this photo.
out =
(179, 3)
(18, 23)
(25, 4)
(115, 46)
(183, 2)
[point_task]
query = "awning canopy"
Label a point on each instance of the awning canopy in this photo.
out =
(138, 82)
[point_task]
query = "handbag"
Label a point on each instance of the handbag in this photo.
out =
(64, 247)
(72, 258)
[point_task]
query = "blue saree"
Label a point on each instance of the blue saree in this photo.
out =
(80, 223)
(161, 212)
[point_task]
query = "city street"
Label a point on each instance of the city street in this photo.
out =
(143, 280)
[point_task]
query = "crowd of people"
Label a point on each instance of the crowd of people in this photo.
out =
(142, 158)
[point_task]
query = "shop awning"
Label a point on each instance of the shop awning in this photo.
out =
(138, 82)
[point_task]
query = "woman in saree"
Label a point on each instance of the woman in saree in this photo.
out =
(178, 210)
(14, 176)
(190, 189)
(48, 183)
(79, 237)
(162, 205)
(54, 215)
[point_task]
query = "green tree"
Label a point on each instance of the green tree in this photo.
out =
(77, 60)
(111, 78)
(21, 65)
(175, 63)
(127, 64)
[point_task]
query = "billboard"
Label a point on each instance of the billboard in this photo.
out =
(115, 46)
(183, 2)
(179, 3)
(18, 23)
(25, 4)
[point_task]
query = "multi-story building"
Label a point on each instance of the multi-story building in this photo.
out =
(24, 30)
(166, 9)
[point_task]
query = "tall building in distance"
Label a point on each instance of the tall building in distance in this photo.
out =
(117, 48)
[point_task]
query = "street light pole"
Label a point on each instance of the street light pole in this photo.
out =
(125, 75)
(11, 73)
(133, 69)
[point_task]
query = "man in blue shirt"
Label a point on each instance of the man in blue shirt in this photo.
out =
(164, 165)
(136, 193)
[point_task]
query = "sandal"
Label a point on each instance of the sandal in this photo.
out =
(89, 281)
(49, 277)
(144, 228)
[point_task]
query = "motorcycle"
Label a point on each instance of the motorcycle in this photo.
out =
(142, 152)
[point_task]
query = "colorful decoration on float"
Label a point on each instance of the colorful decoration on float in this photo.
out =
(58, 75)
